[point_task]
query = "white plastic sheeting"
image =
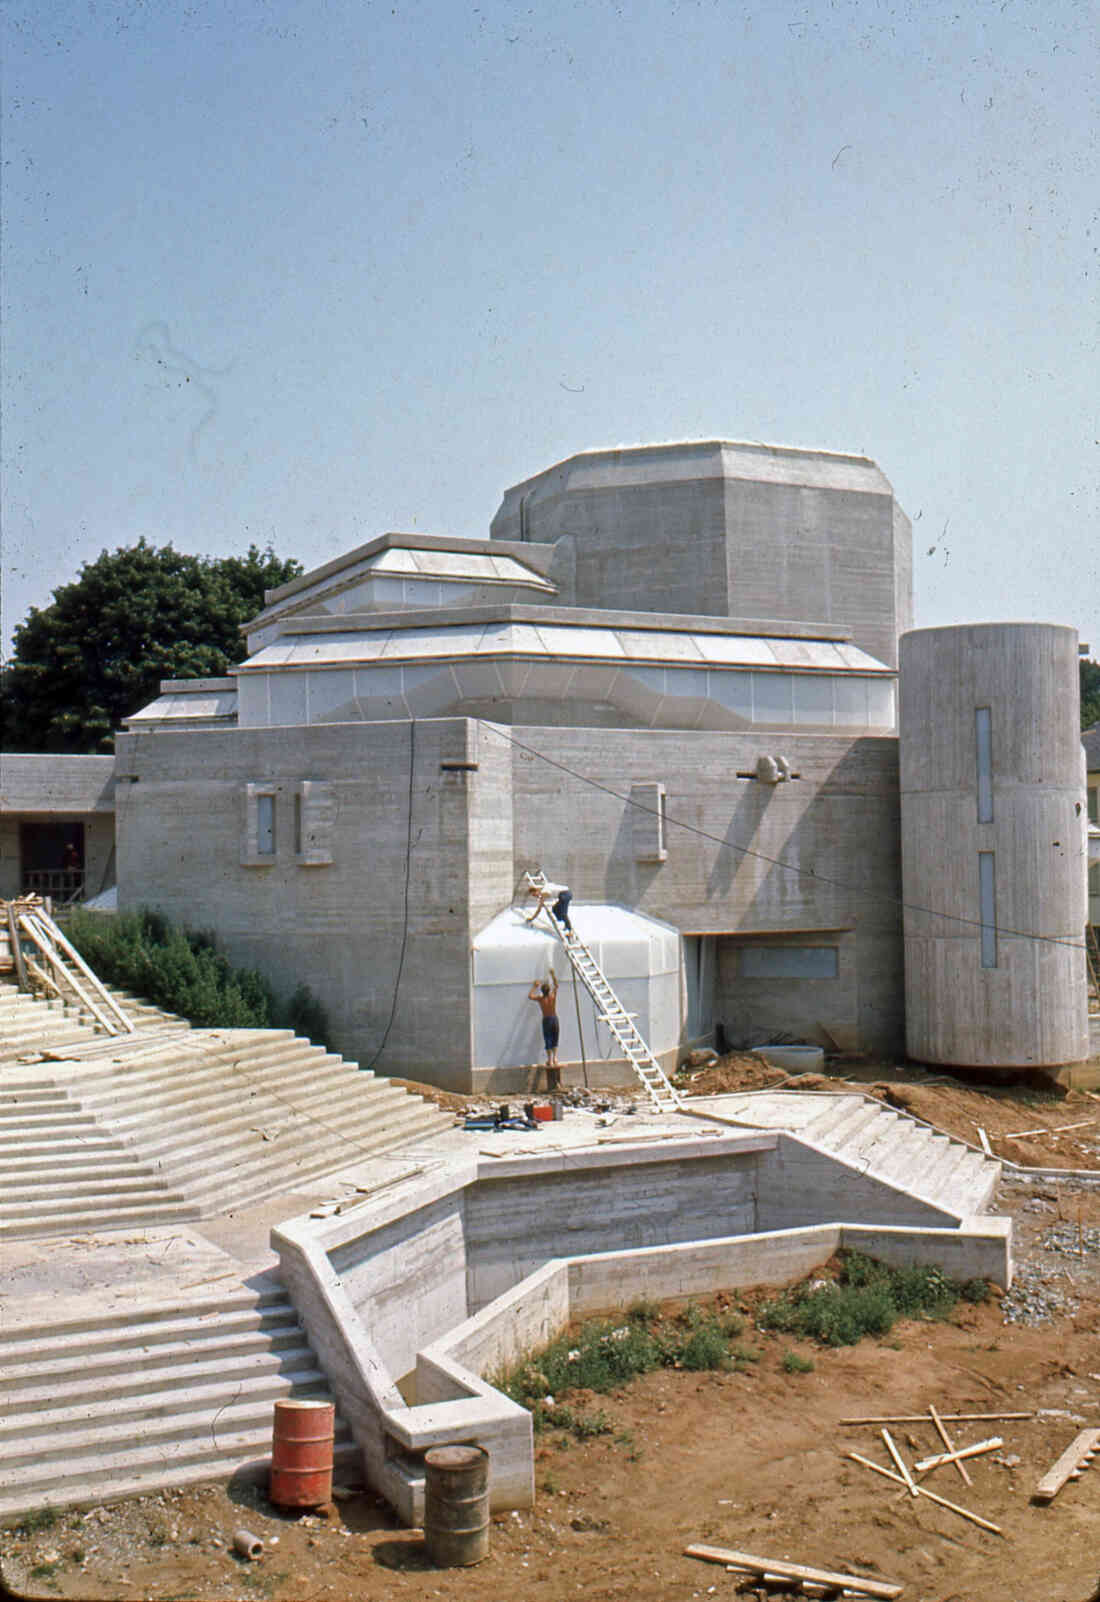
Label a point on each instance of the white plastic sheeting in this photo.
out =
(639, 955)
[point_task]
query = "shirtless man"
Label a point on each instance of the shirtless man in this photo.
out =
(546, 994)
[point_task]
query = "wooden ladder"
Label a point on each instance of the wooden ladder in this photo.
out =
(610, 1010)
(44, 959)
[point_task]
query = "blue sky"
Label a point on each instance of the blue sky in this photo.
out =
(298, 274)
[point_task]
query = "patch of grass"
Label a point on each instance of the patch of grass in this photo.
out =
(158, 1536)
(604, 1355)
(866, 1298)
(795, 1363)
(76, 1554)
(43, 1571)
(43, 1518)
(745, 1354)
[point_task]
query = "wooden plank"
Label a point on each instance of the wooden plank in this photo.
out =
(948, 1418)
(922, 1490)
(44, 978)
(947, 1441)
(792, 1571)
(17, 949)
(1057, 1129)
(41, 937)
(1072, 1463)
(927, 1464)
(74, 956)
(984, 1138)
(900, 1461)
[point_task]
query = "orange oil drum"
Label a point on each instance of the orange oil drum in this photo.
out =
(301, 1453)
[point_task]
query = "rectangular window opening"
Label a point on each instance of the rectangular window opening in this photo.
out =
(265, 825)
(788, 962)
(987, 898)
(983, 730)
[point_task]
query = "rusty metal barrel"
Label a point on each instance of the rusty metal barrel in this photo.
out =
(301, 1453)
(456, 1505)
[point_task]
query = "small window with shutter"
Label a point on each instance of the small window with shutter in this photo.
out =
(648, 821)
(314, 823)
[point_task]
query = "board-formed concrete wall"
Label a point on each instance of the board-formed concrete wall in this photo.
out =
(486, 807)
(729, 529)
(339, 925)
(834, 830)
(991, 769)
(514, 1224)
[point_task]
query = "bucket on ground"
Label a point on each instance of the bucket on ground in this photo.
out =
(301, 1453)
(456, 1505)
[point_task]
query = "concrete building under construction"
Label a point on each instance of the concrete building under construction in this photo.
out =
(670, 679)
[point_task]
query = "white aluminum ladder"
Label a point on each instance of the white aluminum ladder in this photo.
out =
(662, 1094)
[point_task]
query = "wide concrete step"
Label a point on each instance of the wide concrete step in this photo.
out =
(24, 1352)
(69, 1191)
(238, 1461)
(97, 1220)
(228, 1347)
(252, 1182)
(170, 1430)
(153, 1378)
(212, 1085)
(840, 1135)
(224, 1135)
(93, 1410)
(78, 1164)
(159, 1457)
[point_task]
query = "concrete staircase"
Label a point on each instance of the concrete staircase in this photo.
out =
(60, 1172)
(131, 1402)
(170, 1123)
(878, 1141)
(31, 1026)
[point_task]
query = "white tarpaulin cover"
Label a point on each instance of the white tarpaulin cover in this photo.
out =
(639, 956)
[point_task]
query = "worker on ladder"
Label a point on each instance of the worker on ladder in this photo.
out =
(542, 889)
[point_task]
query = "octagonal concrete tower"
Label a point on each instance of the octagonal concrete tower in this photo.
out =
(992, 839)
(728, 530)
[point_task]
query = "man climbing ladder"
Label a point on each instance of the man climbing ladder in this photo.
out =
(610, 1009)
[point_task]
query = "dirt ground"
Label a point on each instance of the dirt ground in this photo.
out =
(753, 1459)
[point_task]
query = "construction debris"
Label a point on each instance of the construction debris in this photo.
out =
(1070, 1466)
(922, 1490)
(947, 1441)
(773, 1569)
(927, 1464)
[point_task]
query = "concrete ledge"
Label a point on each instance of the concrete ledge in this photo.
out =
(666, 1148)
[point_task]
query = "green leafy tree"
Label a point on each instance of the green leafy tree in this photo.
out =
(131, 618)
(1090, 694)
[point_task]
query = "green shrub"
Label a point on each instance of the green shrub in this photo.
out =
(183, 971)
(866, 1298)
(795, 1363)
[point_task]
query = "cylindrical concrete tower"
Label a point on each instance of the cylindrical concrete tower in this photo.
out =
(991, 807)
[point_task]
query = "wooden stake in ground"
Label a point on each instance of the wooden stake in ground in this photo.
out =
(946, 1439)
(899, 1460)
(1070, 1466)
(793, 1571)
(922, 1490)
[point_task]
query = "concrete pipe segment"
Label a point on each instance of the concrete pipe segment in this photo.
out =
(992, 837)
